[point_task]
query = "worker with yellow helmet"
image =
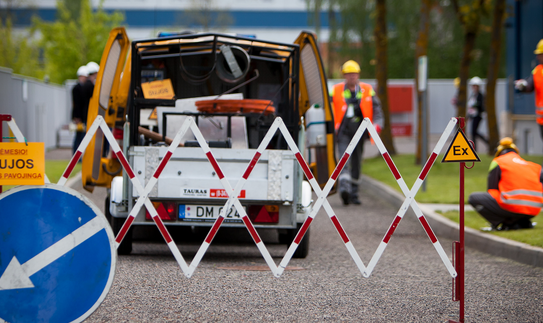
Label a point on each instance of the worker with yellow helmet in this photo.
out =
(515, 190)
(353, 101)
(534, 83)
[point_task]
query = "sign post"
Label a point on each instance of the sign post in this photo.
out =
(423, 82)
(460, 151)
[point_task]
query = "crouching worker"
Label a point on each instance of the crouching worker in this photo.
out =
(515, 191)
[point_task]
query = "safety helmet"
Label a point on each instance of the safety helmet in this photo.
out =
(93, 67)
(456, 82)
(83, 71)
(476, 81)
(350, 66)
(506, 143)
(539, 48)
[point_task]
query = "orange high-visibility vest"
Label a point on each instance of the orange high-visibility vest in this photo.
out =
(519, 189)
(340, 107)
(538, 89)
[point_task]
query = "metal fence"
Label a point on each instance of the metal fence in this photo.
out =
(40, 109)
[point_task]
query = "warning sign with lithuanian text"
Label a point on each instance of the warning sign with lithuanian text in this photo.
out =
(161, 89)
(460, 150)
(22, 164)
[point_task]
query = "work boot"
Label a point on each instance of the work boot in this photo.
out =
(345, 198)
(525, 224)
(355, 200)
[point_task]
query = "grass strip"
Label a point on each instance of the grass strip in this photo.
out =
(443, 187)
(443, 180)
(472, 219)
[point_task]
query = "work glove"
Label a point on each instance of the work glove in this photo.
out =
(520, 85)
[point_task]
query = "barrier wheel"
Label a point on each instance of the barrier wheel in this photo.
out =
(125, 248)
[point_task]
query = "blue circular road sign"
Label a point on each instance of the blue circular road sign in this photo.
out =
(57, 255)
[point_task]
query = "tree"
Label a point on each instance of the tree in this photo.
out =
(469, 16)
(492, 76)
(19, 53)
(421, 50)
(381, 41)
(204, 14)
(70, 42)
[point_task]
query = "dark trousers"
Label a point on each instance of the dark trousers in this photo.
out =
(348, 178)
(475, 132)
(78, 138)
(487, 206)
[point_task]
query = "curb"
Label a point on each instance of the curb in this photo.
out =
(73, 180)
(487, 243)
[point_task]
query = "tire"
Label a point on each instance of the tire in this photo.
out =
(303, 248)
(125, 248)
(106, 210)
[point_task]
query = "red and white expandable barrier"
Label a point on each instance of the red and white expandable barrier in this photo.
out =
(233, 193)
(410, 199)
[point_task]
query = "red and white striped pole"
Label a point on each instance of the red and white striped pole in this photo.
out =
(80, 150)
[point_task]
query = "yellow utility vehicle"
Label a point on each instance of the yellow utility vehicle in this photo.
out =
(234, 87)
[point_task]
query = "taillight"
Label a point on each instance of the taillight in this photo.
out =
(264, 213)
(118, 134)
(166, 211)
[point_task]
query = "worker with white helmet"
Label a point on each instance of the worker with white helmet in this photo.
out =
(93, 69)
(353, 101)
(534, 83)
(476, 109)
(80, 102)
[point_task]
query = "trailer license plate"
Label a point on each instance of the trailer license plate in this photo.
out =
(206, 213)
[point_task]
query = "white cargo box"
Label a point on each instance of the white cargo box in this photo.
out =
(189, 174)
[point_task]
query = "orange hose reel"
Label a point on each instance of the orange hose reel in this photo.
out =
(236, 106)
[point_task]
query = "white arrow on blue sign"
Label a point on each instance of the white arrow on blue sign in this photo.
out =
(57, 255)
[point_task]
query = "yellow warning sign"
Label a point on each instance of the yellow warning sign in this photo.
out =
(161, 89)
(153, 115)
(460, 150)
(22, 164)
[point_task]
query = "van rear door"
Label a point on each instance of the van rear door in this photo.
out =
(314, 90)
(98, 169)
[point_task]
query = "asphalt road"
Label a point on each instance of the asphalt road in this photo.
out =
(409, 284)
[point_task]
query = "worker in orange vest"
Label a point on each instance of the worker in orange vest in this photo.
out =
(515, 190)
(353, 101)
(535, 83)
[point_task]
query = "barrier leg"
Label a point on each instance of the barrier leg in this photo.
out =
(3, 117)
